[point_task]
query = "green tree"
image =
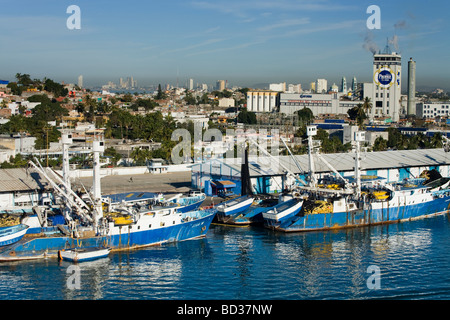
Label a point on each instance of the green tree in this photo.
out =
(17, 123)
(190, 99)
(128, 97)
(367, 105)
(247, 117)
(160, 95)
(395, 139)
(380, 144)
(305, 116)
(24, 79)
(140, 156)
(436, 140)
(357, 113)
(331, 144)
(56, 88)
(15, 89)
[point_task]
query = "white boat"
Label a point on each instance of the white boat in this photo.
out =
(9, 235)
(234, 206)
(83, 254)
(282, 211)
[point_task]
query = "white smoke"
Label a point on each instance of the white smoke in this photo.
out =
(394, 42)
(369, 43)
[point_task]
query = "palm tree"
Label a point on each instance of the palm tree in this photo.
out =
(140, 155)
(436, 140)
(367, 105)
(360, 116)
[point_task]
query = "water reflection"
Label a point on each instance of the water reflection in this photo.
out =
(255, 263)
(92, 275)
(343, 257)
(144, 273)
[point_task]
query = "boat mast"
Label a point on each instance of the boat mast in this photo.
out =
(66, 140)
(311, 131)
(98, 147)
(360, 136)
(295, 161)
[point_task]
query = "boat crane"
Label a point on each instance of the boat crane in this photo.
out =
(77, 202)
(288, 171)
(312, 145)
(446, 143)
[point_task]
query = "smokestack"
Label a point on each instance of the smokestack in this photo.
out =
(411, 87)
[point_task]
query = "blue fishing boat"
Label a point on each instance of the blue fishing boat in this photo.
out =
(135, 225)
(233, 207)
(375, 206)
(358, 204)
(12, 234)
(142, 228)
(283, 211)
(184, 202)
(188, 203)
(253, 215)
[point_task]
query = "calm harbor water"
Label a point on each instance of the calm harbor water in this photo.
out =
(255, 264)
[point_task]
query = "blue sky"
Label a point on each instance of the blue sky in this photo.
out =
(242, 41)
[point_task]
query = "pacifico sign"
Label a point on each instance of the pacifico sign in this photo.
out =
(384, 77)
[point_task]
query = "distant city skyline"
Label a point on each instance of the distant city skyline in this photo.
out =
(245, 42)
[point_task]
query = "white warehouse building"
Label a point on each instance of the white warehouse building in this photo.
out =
(320, 104)
(432, 110)
(261, 101)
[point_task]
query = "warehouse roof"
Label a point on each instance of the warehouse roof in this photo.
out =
(265, 166)
(21, 179)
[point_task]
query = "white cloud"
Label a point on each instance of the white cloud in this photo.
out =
(198, 45)
(241, 8)
(285, 23)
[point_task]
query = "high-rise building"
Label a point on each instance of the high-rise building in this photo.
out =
(80, 81)
(385, 91)
(278, 86)
(220, 86)
(261, 101)
(294, 88)
(191, 84)
(344, 85)
(321, 86)
(354, 85)
(411, 87)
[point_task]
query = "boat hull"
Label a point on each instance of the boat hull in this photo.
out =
(232, 208)
(192, 206)
(274, 217)
(84, 254)
(10, 235)
(129, 237)
(358, 218)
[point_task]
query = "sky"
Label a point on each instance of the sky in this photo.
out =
(245, 42)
